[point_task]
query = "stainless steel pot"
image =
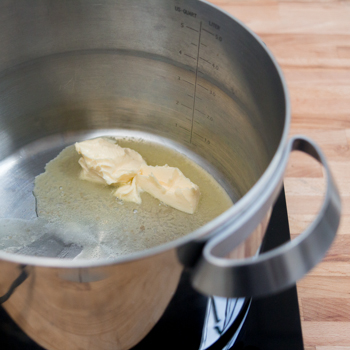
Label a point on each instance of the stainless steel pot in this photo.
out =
(182, 73)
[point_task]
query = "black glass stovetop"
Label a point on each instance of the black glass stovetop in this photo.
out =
(195, 322)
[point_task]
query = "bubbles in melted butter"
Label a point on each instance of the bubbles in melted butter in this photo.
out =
(87, 213)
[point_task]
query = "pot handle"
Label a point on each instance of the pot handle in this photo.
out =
(278, 268)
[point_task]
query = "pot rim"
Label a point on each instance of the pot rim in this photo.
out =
(212, 227)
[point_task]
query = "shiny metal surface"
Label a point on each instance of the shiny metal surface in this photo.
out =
(110, 75)
(179, 72)
(109, 307)
(278, 269)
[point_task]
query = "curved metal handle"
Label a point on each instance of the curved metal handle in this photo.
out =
(279, 268)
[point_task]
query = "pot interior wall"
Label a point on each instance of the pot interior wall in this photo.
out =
(71, 68)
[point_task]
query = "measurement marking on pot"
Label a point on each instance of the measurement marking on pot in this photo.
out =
(199, 136)
(182, 127)
(205, 60)
(200, 111)
(192, 28)
(203, 87)
(194, 58)
(195, 79)
(187, 82)
(205, 30)
(204, 139)
(199, 57)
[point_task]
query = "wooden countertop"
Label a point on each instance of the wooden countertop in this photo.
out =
(311, 41)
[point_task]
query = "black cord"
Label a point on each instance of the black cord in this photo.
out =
(18, 281)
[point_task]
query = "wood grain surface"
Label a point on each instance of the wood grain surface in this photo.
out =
(311, 41)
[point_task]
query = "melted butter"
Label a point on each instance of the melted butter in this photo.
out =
(110, 227)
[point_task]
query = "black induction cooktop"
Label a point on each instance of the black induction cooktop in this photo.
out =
(195, 322)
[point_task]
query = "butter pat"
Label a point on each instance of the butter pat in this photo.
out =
(129, 192)
(170, 186)
(104, 161)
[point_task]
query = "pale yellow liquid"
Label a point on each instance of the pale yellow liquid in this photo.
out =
(108, 227)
